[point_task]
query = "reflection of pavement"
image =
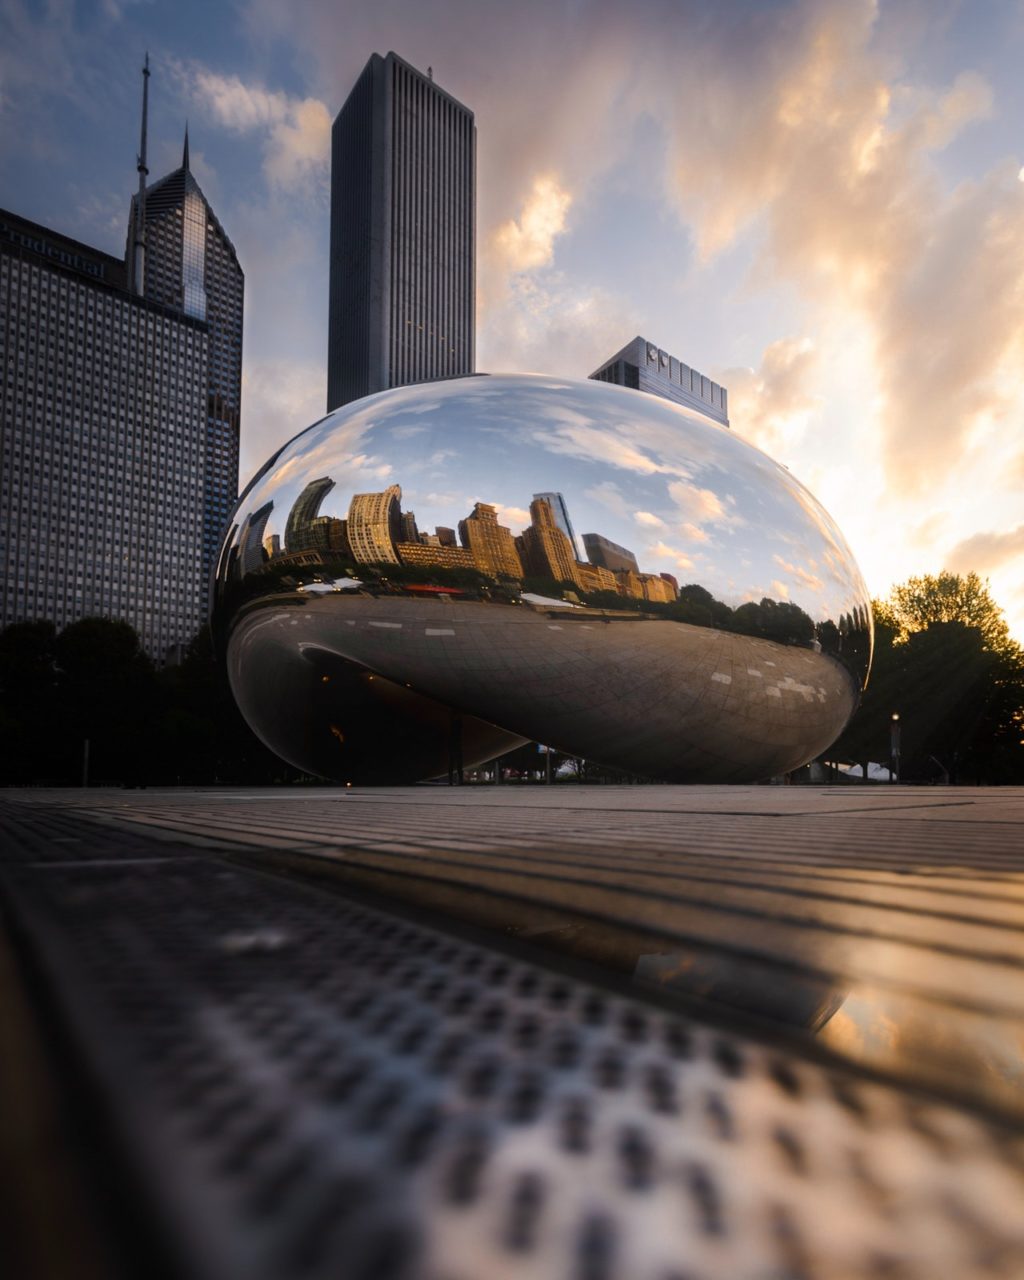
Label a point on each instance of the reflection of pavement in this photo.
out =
(647, 695)
(310, 1085)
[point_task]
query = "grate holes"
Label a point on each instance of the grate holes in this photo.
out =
(790, 1244)
(849, 1099)
(636, 1157)
(339, 1087)
(565, 1050)
(785, 1077)
(791, 1149)
(526, 1031)
(482, 1078)
(662, 1093)
(595, 1251)
(449, 1051)
(461, 1000)
(524, 1098)
(728, 1058)
(380, 1104)
(490, 1017)
(419, 1136)
(465, 1169)
(609, 1070)
(594, 1009)
(410, 1039)
(558, 994)
(575, 1124)
(633, 1026)
(527, 984)
(527, 1202)
(706, 1199)
(678, 1040)
(720, 1116)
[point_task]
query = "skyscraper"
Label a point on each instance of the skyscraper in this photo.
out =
(403, 202)
(645, 367)
(191, 266)
(119, 398)
(546, 550)
(103, 405)
(560, 511)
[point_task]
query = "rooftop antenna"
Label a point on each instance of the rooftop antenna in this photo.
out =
(184, 154)
(138, 264)
(430, 74)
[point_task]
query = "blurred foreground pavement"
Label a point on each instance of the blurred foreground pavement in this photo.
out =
(676, 1033)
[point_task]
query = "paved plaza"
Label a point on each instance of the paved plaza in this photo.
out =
(528, 1031)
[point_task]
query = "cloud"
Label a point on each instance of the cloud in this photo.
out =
(648, 519)
(527, 242)
(820, 148)
(985, 552)
(280, 398)
(297, 130)
(770, 406)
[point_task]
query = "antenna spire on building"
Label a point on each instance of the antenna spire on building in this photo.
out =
(184, 154)
(138, 262)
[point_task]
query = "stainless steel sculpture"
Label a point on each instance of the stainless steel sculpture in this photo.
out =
(402, 590)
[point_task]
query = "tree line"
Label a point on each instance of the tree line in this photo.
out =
(944, 662)
(946, 665)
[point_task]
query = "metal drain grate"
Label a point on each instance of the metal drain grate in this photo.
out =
(309, 1087)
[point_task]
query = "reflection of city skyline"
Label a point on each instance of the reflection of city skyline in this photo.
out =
(669, 495)
(376, 532)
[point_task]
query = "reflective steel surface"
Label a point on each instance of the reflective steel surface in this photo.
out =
(429, 576)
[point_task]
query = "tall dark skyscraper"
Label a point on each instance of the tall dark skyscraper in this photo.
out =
(403, 232)
(119, 392)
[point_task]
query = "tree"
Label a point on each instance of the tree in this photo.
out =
(108, 696)
(28, 702)
(919, 602)
(946, 664)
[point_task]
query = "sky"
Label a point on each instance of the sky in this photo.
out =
(818, 203)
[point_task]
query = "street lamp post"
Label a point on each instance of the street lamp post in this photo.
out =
(894, 747)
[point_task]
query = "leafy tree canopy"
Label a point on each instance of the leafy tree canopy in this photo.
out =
(921, 601)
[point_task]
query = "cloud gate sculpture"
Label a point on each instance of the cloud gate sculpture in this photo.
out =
(442, 572)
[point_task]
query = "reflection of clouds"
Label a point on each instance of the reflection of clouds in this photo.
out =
(686, 495)
(514, 517)
(680, 560)
(592, 444)
(696, 504)
(607, 493)
(806, 578)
